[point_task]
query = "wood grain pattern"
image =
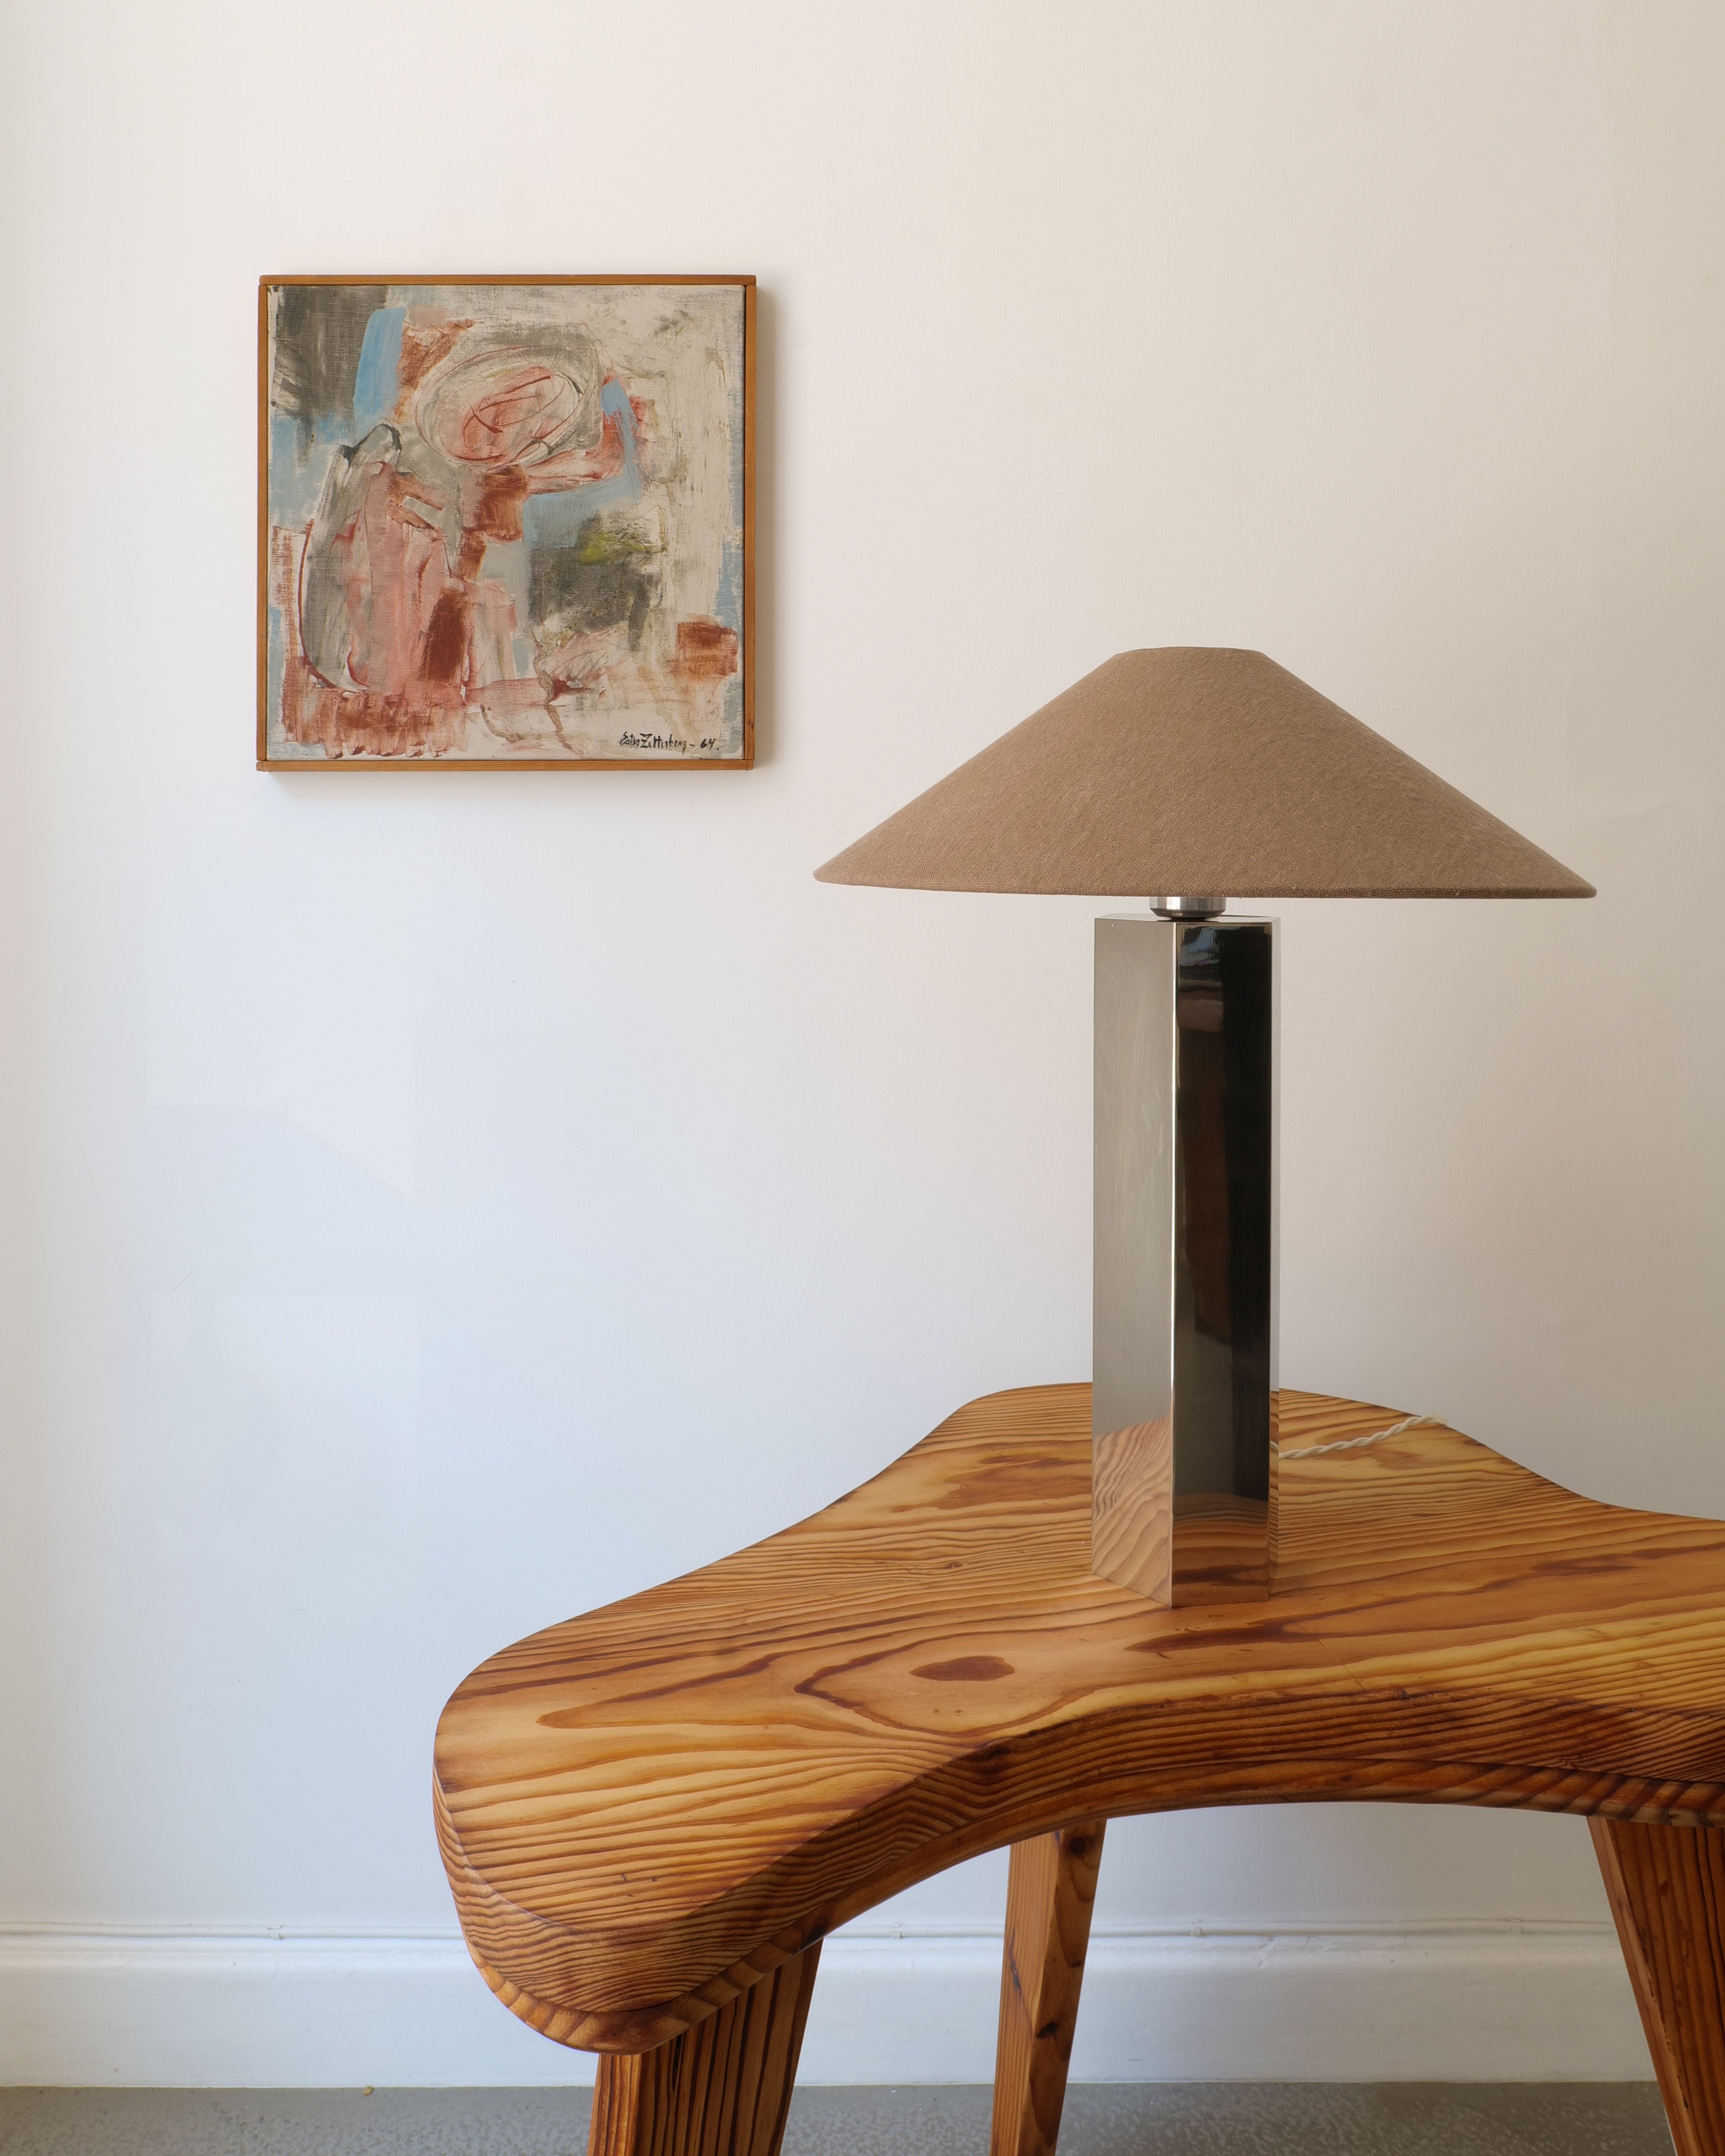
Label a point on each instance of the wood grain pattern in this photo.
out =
(1051, 1888)
(722, 2088)
(1666, 1887)
(644, 1809)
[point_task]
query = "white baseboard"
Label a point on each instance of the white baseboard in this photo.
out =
(1437, 2002)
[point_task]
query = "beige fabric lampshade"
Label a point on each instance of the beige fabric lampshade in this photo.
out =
(1192, 769)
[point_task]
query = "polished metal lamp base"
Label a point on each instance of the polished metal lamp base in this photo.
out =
(1183, 1508)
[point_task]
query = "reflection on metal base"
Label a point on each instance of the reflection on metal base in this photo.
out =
(1184, 1505)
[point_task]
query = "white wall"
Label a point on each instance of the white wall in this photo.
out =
(438, 1203)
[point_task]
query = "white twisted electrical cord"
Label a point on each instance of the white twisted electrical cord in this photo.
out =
(1358, 1443)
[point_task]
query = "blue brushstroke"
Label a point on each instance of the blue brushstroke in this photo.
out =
(290, 438)
(300, 459)
(377, 380)
(614, 402)
(555, 520)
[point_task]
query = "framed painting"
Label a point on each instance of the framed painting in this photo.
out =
(505, 521)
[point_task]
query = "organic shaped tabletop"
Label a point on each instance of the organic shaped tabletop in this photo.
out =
(646, 1809)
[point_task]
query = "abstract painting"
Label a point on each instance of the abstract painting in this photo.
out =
(505, 521)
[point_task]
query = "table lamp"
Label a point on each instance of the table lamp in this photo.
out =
(1181, 775)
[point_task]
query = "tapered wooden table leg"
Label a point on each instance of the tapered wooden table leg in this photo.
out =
(722, 2088)
(1666, 1887)
(1050, 1889)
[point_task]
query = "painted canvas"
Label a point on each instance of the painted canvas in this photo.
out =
(506, 522)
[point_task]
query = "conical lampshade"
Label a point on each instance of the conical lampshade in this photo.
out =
(1193, 769)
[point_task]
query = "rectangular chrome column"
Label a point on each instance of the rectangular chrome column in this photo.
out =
(1183, 1505)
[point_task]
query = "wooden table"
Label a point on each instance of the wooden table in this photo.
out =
(651, 1816)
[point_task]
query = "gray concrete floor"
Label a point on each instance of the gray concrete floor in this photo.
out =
(1231, 2118)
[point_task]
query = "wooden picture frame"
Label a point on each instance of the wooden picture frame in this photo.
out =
(508, 515)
